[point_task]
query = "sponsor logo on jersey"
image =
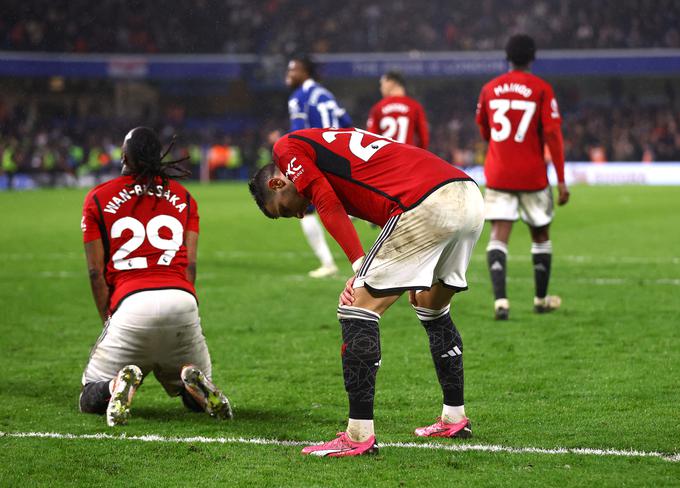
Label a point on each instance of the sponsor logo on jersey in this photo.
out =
(293, 172)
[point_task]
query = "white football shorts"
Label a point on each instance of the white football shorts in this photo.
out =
(535, 208)
(428, 244)
(157, 330)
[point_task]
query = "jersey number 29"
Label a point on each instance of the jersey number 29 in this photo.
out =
(120, 258)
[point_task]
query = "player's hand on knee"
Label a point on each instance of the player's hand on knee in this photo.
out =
(347, 295)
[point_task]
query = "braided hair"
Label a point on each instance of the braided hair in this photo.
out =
(144, 160)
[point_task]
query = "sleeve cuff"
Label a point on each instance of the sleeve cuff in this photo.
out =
(357, 264)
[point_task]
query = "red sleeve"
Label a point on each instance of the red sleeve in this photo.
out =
(295, 159)
(422, 128)
(193, 219)
(90, 220)
(553, 138)
(482, 118)
(552, 131)
(550, 112)
(370, 123)
(335, 218)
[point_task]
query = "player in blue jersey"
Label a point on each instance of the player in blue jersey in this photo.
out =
(313, 106)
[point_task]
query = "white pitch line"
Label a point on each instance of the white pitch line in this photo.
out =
(579, 451)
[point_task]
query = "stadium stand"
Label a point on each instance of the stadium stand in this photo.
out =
(272, 26)
(72, 130)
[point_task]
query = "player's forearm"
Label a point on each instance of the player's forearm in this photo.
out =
(100, 292)
(424, 139)
(341, 229)
(553, 139)
(191, 244)
(191, 273)
(335, 219)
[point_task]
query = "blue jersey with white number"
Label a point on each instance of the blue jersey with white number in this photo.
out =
(312, 106)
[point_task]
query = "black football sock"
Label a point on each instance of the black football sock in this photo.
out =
(94, 397)
(360, 358)
(541, 255)
(446, 347)
(496, 258)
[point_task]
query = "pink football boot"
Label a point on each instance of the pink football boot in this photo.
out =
(343, 446)
(461, 430)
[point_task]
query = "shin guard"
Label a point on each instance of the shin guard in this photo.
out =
(360, 358)
(446, 347)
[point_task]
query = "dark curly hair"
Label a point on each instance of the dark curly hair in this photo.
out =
(520, 49)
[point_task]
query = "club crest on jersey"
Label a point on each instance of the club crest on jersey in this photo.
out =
(293, 171)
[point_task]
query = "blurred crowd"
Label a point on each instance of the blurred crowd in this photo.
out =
(55, 152)
(47, 150)
(70, 147)
(284, 26)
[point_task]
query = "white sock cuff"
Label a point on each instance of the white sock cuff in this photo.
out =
(497, 246)
(427, 314)
(541, 247)
(348, 312)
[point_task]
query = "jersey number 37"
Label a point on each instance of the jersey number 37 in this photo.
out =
(501, 107)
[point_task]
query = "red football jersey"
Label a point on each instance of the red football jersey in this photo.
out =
(400, 118)
(514, 112)
(142, 234)
(371, 177)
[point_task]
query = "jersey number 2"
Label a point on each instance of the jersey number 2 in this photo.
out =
(355, 142)
(139, 233)
(500, 107)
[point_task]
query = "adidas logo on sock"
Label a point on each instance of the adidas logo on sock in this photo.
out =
(496, 266)
(540, 267)
(453, 352)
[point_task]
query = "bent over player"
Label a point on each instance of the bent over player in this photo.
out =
(431, 216)
(141, 238)
(517, 113)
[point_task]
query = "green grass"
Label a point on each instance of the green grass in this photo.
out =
(600, 373)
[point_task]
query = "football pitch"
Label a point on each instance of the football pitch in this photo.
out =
(587, 396)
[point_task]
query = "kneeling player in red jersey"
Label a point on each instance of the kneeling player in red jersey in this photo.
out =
(517, 113)
(431, 216)
(141, 238)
